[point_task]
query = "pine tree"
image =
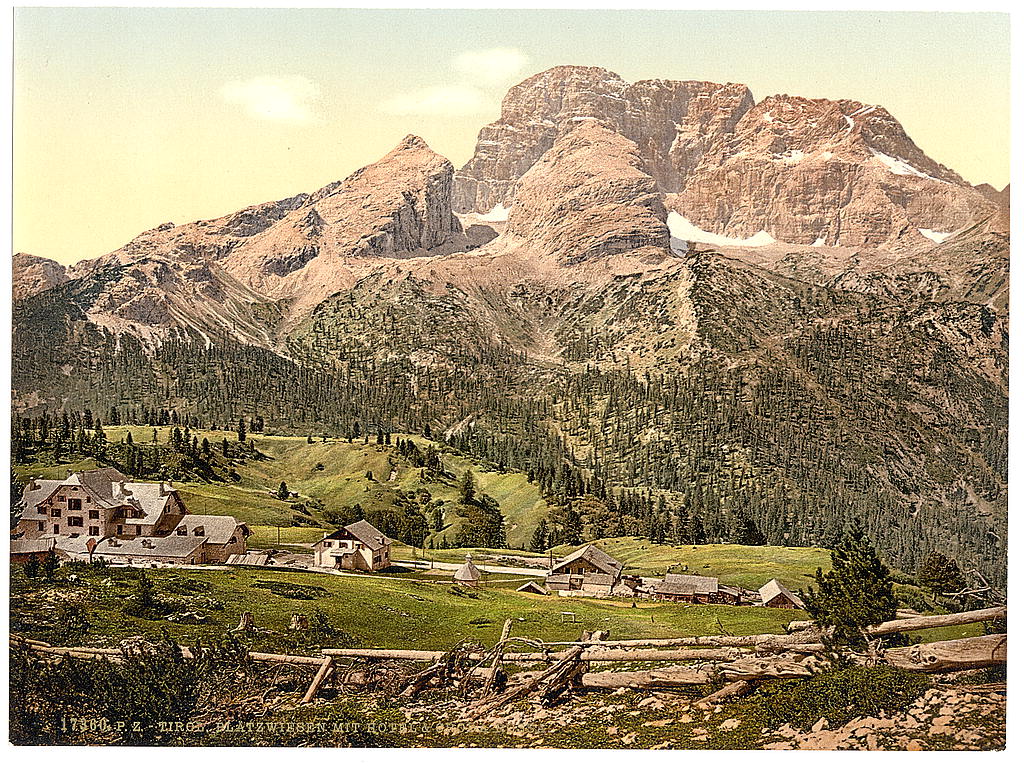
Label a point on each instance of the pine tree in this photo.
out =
(539, 541)
(282, 491)
(941, 575)
(857, 592)
(467, 488)
(241, 429)
(17, 503)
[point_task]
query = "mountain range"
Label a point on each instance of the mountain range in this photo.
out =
(779, 311)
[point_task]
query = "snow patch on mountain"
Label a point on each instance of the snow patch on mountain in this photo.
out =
(681, 228)
(938, 237)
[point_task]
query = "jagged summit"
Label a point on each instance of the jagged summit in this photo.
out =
(806, 171)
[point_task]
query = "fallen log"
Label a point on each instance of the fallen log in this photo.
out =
(588, 655)
(662, 678)
(957, 654)
(285, 659)
(757, 641)
(321, 675)
(919, 623)
(495, 668)
(729, 691)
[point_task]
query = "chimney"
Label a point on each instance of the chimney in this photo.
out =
(120, 486)
(162, 490)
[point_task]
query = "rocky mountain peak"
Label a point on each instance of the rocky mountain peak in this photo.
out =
(32, 274)
(589, 195)
(672, 123)
(806, 171)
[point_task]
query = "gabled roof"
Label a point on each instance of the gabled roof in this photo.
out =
(368, 535)
(592, 555)
(103, 485)
(174, 546)
(774, 588)
(687, 585)
(216, 529)
(533, 587)
(43, 489)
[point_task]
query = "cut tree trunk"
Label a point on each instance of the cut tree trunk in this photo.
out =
(957, 654)
(496, 664)
(920, 623)
(321, 676)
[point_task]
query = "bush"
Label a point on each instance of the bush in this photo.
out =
(838, 695)
(292, 590)
(72, 625)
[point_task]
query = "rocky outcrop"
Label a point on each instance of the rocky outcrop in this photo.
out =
(308, 246)
(32, 274)
(807, 171)
(672, 123)
(589, 195)
(814, 171)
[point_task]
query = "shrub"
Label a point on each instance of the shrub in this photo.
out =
(292, 590)
(838, 695)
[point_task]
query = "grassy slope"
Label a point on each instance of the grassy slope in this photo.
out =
(391, 612)
(342, 482)
(747, 566)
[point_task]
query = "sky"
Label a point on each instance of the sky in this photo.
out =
(127, 118)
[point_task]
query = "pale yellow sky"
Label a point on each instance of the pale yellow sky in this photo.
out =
(127, 118)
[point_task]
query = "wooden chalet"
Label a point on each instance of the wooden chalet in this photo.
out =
(776, 595)
(696, 589)
(587, 571)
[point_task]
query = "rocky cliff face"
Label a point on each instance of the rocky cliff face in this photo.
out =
(805, 171)
(672, 123)
(589, 195)
(32, 274)
(306, 247)
(826, 172)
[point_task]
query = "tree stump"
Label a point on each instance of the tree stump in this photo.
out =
(246, 622)
(299, 622)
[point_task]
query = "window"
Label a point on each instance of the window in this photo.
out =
(181, 531)
(94, 514)
(55, 512)
(56, 529)
(42, 526)
(120, 529)
(74, 504)
(94, 531)
(232, 541)
(138, 529)
(75, 521)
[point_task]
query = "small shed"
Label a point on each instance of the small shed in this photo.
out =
(775, 594)
(533, 587)
(467, 574)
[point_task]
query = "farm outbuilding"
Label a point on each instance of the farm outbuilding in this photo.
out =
(467, 574)
(776, 595)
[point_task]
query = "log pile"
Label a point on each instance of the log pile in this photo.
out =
(739, 663)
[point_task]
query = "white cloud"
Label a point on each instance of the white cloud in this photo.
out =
(281, 99)
(492, 66)
(441, 99)
(479, 74)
